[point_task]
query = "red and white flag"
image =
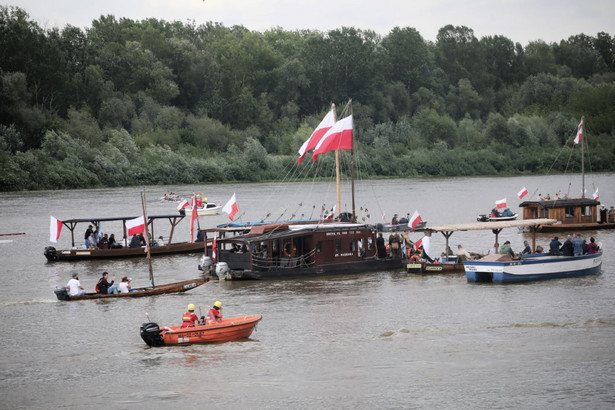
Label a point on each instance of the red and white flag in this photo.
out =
(579, 136)
(213, 249)
(522, 193)
(231, 207)
(324, 126)
(338, 137)
(135, 226)
(182, 205)
(331, 214)
(501, 203)
(415, 220)
(55, 227)
(596, 195)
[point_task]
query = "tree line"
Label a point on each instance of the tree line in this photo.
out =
(127, 102)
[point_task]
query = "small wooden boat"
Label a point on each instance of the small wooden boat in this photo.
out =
(213, 331)
(502, 268)
(452, 264)
(175, 287)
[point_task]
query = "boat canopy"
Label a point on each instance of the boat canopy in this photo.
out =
(561, 203)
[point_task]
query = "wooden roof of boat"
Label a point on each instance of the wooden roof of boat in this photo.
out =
(561, 203)
(476, 226)
(120, 218)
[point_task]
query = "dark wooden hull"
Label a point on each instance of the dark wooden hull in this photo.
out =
(70, 255)
(175, 287)
(575, 227)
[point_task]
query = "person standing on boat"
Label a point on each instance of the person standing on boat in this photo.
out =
(74, 286)
(88, 232)
(554, 246)
(602, 214)
(395, 244)
(104, 286)
(577, 244)
(215, 313)
(380, 246)
(507, 250)
(189, 318)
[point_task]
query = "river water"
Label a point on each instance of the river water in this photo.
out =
(375, 340)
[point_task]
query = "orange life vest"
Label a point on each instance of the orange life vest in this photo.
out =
(188, 319)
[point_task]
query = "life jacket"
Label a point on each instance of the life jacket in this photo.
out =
(213, 314)
(187, 319)
(97, 288)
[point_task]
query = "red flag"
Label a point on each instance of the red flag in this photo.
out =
(596, 195)
(324, 126)
(182, 205)
(415, 220)
(579, 136)
(54, 229)
(522, 193)
(135, 226)
(338, 137)
(231, 207)
(195, 215)
(417, 244)
(331, 214)
(213, 249)
(501, 203)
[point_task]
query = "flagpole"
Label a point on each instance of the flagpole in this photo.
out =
(354, 215)
(583, 154)
(147, 243)
(337, 168)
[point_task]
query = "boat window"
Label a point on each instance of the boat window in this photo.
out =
(338, 245)
(353, 244)
(586, 211)
(370, 243)
(569, 211)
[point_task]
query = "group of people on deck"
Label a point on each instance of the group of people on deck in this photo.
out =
(190, 319)
(103, 285)
(95, 239)
(399, 246)
(574, 245)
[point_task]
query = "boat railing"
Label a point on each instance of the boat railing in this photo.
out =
(304, 260)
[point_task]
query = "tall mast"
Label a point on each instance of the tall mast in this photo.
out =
(337, 168)
(147, 243)
(583, 155)
(354, 215)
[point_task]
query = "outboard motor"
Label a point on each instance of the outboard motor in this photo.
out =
(61, 293)
(150, 333)
(222, 269)
(50, 253)
(206, 263)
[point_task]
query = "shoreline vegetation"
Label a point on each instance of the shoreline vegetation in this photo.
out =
(151, 102)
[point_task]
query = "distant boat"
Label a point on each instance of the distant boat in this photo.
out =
(502, 268)
(492, 218)
(214, 331)
(175, 287)
(208, 209)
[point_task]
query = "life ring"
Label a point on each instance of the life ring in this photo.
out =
(290, 249)
(415, 258)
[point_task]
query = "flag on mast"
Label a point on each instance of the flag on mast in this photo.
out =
(194, 216)
(338, 137)
(322, 128)
(55, 227)
(415, 220)
(231, 207)
(579, 136)
(501, 203)
(596, 195)
(522, 193)
(135, 226)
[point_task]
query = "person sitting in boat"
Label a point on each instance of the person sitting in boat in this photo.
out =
(527, 250)
(104, 286)
(567, 248)
(380, 246)
(200, 237)
(88, 233)
(507, 212)
(189, 319)
(93, 244)
(495, 213)
(592, 246)
(125, 285)
(104, 242)
(160, 241)
(74, 286)
(215, 313)
(135, 242)
(404, 219)
(395, 220)
(447, 252)
(395, 244)
(577, 244)
(507, 250)
(113, 244)
(494, 250)
(554, 246)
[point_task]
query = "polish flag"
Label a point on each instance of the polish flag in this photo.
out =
(596, 195)
(579, 136)
(331, 215)
(338, 137)
(231, 207)
(55, 227)
(182, 205)
(415, 220)
(135, 226)
(501, 203)
(324, 126)
(213, 249)
(418, 243)
(522, 193)
(194, 216)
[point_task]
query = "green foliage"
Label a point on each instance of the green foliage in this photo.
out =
(133, 102)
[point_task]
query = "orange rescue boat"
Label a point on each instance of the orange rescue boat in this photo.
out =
(213, 331)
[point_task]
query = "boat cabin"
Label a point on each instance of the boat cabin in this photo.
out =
(569, 213)
(279, 247)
